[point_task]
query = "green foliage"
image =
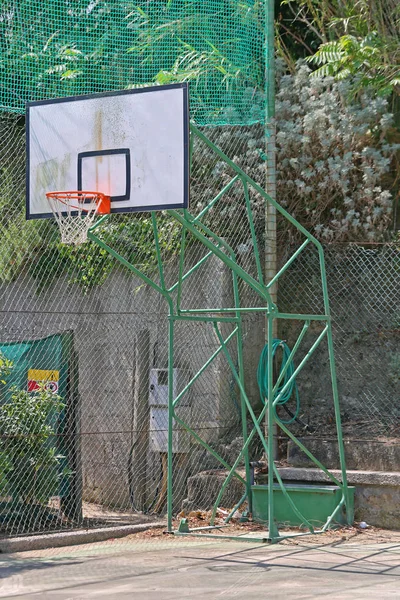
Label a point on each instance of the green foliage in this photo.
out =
(61, 48)
(18, 239)
(16, 235)
(88, 265)
(133, 237)
(358, 39)
(5, 368)
(362, 58)
(29, 463)
(227, 60)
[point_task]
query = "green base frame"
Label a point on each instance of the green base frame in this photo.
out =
(218, 247)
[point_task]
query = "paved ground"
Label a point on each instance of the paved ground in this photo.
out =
(175, 569)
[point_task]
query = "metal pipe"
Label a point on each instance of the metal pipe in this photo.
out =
(170, 421)
(333, 515)
(301, 365)
(335, 393)
(158, 253)
(273, 530)
(128, 265)
(203, 368)
(207, 447)
(192, 270)
(215, 200)
(235, 508)
(287, 264)
(302, 317)
(205, 319)
(180, 272)
(309, 454)
(221, 255)
(243, 408)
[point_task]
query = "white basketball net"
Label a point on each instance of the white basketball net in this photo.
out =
(75, 214)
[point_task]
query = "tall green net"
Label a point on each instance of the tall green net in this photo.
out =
(69, 47)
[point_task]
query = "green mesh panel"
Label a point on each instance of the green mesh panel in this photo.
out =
(57, 48)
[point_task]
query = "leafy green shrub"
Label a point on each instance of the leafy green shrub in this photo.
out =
(29, 463)
(358, 39)
(88, 265)
(5, 368)
(333, 157)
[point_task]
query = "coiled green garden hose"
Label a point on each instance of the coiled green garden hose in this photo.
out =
(262, 378)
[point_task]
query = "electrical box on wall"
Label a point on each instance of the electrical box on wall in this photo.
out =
(159, 430)
(158, 401)
(158, 390)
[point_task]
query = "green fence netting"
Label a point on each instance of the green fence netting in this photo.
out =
(39, 420)
(46, 357)
(58, 48)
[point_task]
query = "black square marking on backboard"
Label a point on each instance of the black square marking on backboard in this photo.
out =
(125, 151)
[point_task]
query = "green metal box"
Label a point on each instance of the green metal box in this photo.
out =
(315, 502)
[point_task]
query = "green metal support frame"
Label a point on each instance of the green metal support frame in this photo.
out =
(219, 248)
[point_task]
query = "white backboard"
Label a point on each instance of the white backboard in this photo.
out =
(131, 145)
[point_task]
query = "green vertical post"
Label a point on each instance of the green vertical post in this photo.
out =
(242, 399)
(273, 530)
(270, 145)
(171, 324)
(335, 393)
(191, 144)
(270, 151)
(158, 252)
(181, 267)
(270, 129)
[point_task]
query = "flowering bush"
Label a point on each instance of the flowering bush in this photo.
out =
(333, 158)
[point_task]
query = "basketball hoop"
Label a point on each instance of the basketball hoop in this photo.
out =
(75, 213)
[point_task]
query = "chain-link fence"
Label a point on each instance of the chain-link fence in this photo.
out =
(364, 286)
(364, 296)
(96, 454)
(99, 337)
(84, 343)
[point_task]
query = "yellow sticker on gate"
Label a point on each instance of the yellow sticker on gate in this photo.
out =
(43, 375)
(37, 378)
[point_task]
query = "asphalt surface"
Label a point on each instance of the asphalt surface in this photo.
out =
(208, 570)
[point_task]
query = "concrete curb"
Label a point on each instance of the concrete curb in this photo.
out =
(71, 538)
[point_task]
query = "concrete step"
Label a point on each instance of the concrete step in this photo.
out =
(361, 455)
